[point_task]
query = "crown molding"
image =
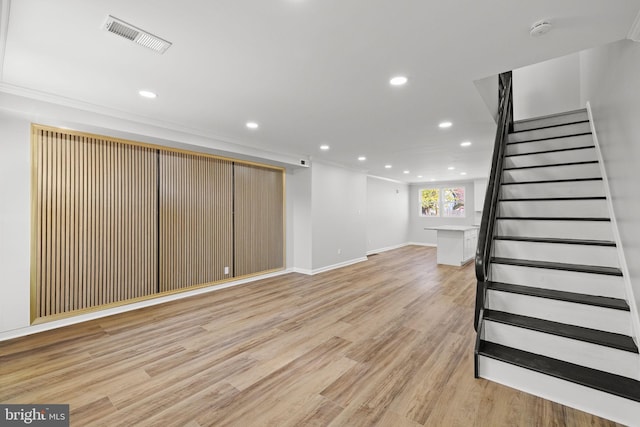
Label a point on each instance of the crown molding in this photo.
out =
(634, 31)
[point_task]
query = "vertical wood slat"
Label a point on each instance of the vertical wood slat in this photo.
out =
(88, 192)
(259, 217)
(195, 220)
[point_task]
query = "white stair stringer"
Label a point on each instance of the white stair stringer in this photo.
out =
(587, 399)
(604, 256)
(560, 280)
(551, 120)
(571, 350)
(570, 313)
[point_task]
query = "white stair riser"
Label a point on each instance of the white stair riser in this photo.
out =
(587, 316)
(588, 230)
(605, 256)
(555, 208)
(554, 189)
(558, 119)
(586, 399)
(589, 170)
(550, 144)
(573, 351)
(560, 280)
(582, 155)
(552, 132)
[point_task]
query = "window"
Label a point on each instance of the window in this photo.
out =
(445, 202)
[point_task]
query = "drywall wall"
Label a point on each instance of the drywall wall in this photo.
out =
(547, 87)
(488, 90)
(339, 207)
(417, 232)
(387, 214)
(15, 222)
(611, 84)
(299, 186)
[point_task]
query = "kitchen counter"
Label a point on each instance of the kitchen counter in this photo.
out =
(456, 243)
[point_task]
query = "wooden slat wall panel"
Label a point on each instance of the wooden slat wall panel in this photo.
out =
(259, 216)
(95, 221)
(196, 220)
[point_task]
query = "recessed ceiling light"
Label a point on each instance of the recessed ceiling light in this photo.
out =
(463, 173)
(398, 81)
(387, 166)
(419, 176)
(405, 172)
(252, 125)
(362, 158)
(432, 179)
(465, 144)
(451, 168)
(444, 125)
(324, 147)
(147, 94)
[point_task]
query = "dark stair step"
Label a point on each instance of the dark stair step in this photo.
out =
(556, 240)
(549, 137)
(550, 126)
(549, 181)
(553, 199)
(556, 150)
(594, 300)
(593, 336)
(618, 385)
(587, 162)
(553, 218)
(594, 269)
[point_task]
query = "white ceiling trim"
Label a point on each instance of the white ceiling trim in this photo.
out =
(5, 7)
(634, 31)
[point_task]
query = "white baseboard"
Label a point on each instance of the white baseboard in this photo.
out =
(329, 267)
(431, 245)
(16, 333)
(388, 248)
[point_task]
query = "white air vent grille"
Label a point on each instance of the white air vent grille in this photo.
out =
(135, 34)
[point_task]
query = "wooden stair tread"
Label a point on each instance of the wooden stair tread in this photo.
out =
(618, 385)
(610, 271)
(594, 300)
(557, 240)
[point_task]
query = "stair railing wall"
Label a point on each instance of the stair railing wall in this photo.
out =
(485, 235)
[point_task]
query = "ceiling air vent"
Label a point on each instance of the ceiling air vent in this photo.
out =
(135, 34)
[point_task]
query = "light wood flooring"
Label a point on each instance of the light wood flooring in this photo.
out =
(387, 342)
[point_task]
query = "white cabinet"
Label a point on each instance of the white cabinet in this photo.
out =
(479, 190)
(456, 244)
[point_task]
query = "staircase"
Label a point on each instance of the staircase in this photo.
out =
(554, 315)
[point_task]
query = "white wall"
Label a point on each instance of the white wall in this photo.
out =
(387, 214)
(546, 88)
(338, 214)
(417, 232)
(299, 186)
(611, 84)
(15, 222)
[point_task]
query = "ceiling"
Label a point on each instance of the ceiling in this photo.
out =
(309, 72)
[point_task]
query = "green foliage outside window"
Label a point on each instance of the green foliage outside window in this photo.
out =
(430, 202)
(452, 202)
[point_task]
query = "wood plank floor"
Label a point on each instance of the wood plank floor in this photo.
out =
(387, 342)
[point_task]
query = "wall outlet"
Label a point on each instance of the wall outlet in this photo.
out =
(226, 270)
